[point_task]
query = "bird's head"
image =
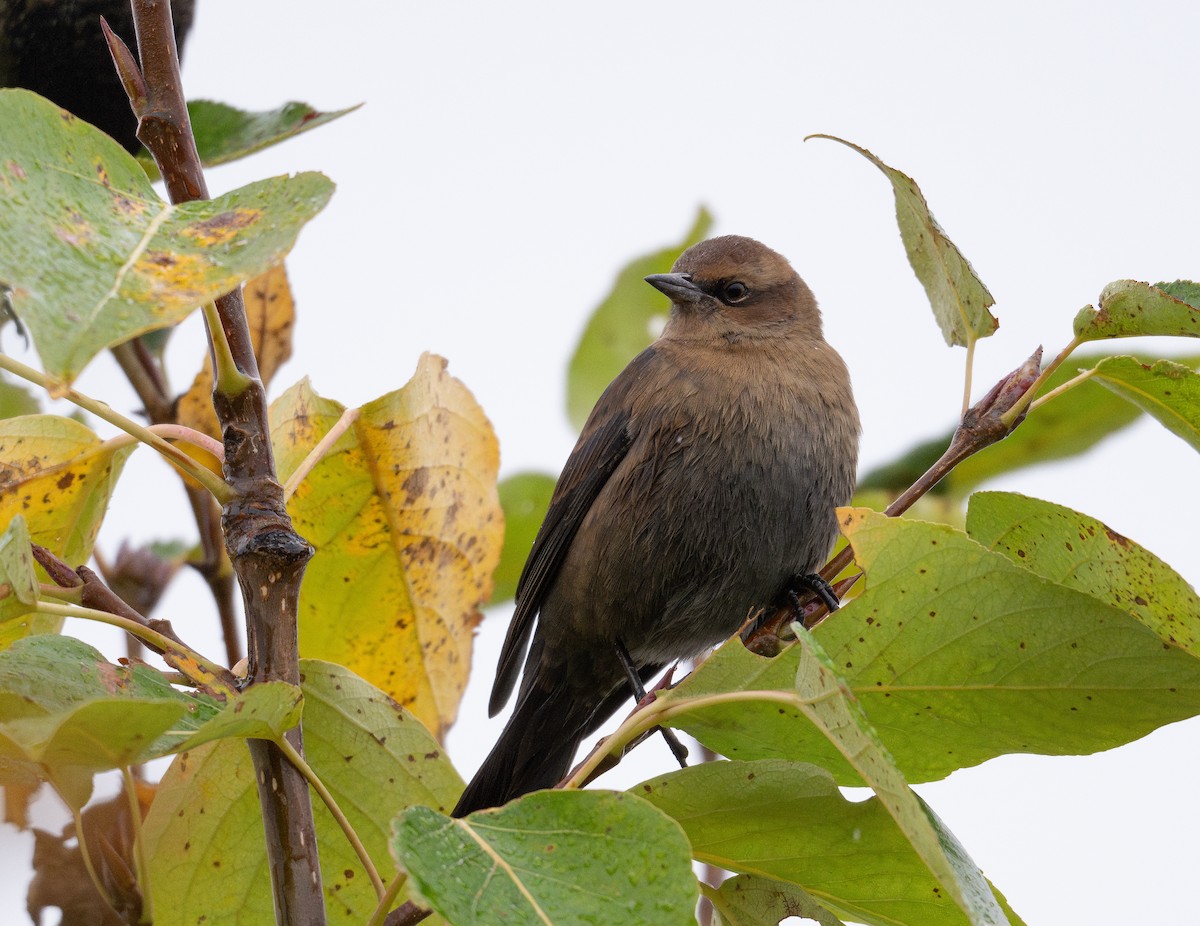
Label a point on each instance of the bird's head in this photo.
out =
(736, 287)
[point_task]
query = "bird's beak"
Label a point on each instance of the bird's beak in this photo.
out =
(678, 287)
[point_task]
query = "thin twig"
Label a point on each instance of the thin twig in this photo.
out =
(1061, 388)
(186, 435)
(145, 380)
(100, 603)
(167, 648)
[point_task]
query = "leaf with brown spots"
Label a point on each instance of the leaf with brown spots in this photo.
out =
(1131, 309)
(821, 695)
(959, 299)
(64, 709)
(957, 655)
(59, 476)
(204, 833)
(404, 515)
(1080, 552)
(271, 313)
(91, 256)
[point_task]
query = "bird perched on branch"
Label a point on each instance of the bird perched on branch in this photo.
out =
(702, 488)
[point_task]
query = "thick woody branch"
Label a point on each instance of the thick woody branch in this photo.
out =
(268, 556)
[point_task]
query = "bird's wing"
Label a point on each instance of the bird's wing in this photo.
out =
(605, 440)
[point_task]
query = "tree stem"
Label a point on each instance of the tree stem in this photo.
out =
(267, 554)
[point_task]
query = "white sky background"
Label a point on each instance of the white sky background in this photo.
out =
(512, 156)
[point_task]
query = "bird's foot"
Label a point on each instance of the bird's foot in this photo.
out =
(818, 586)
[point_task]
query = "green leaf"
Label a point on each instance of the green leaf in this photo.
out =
(524, 498)
(1077, 551)
(751, 900)
(956, 655)
(16, 400)
(828, 703)
(93, 257)
(64, 709)
(224, 133)
(551, 857)
(1167, 390)
(204, 833)
(1183, 290)
(1073, 423)
(1130, 309)
(623, 324)
(823, 697)
(18, 578)
(788, 822)
(263, 711)
(959, 299)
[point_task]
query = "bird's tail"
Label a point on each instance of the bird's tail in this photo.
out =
(534, 750)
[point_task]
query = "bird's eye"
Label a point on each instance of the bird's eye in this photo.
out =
(736, 292)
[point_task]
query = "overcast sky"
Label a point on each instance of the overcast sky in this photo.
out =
(512, 156)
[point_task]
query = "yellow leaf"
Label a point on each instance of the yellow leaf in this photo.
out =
(59, 475)
(406, 521)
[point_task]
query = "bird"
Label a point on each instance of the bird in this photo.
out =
(57, 50)
(702, 488)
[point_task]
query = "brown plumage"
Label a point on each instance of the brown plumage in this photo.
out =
(703, 484)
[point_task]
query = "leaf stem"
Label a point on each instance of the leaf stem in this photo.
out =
(86, 855)
(214, 483)
(331, 804)
(1010, 416)
(182, 432)
(319, 452)
(970, 369)
(654, 714)
(388, 898)
(139, 848)
(152, 637)
(227, 378)
(1060, 389)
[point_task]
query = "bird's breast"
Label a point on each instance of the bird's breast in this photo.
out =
(727, 491)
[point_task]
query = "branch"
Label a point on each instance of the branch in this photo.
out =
(268, 556)
(406, 914)
(99, 602)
